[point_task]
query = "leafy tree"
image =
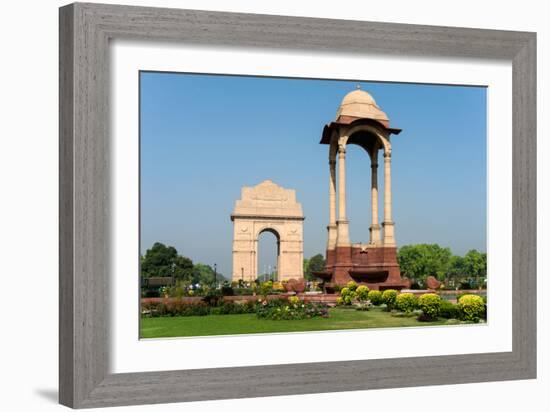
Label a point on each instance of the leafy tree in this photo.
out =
(183, 268)
(204, 274)
(162, 260)
(314, 264)
(456, 266)
(420, 261)
(475, 263)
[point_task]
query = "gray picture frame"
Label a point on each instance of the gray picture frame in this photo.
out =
(85, 32)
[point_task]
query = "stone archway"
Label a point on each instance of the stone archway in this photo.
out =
(267, 207)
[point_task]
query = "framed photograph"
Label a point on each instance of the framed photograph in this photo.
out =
(257, 205)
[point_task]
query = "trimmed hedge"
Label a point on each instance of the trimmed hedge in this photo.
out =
(178, 308)
(406, 302)
(388, 297)
(362, 293)
(347, 295)
(351, 285)
(448, 310)
(375, 297)
(430, 304)
(472, 308)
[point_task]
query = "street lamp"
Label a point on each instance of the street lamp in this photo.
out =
(242, 274)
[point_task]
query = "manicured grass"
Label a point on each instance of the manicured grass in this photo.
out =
(164, 327)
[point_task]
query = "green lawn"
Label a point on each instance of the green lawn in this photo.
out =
(164, 327)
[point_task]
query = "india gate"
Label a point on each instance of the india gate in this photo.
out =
(360, 121)
(267, 207)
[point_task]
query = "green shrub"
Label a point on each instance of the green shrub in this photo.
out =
(227, 289)
(233, 308)
(182, 309)
(179, 308)
(151, 293)
(339, 300)
(362, 293)
(460, 294)
(351, 285)
(217, 310)
(465, 284)
(471, 307)
(213, 297)
(388, 297)
(375, 297)
(176, 308)
(243, 291)
(430, 304)
(294, 300)
(347, 295)
(266, 288)
(448, 310)
(406, 302)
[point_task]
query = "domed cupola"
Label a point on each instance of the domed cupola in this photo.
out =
(359, 104)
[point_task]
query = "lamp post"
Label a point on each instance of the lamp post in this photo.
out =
(242, 274)
(215, 275)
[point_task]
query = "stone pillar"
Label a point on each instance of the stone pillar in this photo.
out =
(375, 225)
(389, 239)
(253, 274)
(332, 205)
(342, 237)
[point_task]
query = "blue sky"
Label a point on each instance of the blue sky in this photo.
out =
(203, 137)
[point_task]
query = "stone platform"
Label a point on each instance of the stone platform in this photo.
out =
(374, 266)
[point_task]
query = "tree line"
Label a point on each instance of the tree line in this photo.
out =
(165, 261)
(419, 261)
(416, 262)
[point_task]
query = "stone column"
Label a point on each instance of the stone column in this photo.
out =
(342, 238)
(253, 274)
(332, 204)
(389, 239)
(375, 225)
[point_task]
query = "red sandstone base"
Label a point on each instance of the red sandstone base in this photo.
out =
(375, 267)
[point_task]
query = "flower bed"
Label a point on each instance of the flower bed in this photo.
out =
(274, 308)
(290, 309)
(182, 308)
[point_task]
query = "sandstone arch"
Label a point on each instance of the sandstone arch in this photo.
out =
(267, 207)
